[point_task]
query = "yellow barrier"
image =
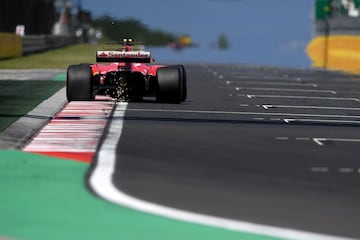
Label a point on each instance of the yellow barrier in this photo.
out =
(337, 52)
(10, 45)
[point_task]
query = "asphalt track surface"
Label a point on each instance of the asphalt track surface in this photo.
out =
(271, 146)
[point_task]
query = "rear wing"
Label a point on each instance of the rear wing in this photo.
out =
(121, 56)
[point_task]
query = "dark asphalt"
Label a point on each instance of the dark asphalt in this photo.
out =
(291, 163)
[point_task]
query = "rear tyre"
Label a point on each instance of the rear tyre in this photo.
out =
(78, 83)
(183, 81)
(169, 85)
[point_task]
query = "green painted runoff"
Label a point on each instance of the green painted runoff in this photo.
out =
(46, 198)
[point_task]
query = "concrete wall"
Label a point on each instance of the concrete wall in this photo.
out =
(40, 43)
(12, 45)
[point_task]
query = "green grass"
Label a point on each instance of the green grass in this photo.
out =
(59, 58)
(17, 98)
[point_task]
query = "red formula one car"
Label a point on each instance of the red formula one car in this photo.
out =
(129, 75)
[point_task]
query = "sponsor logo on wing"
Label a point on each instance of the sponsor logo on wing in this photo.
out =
(117, 54)
(102, 54)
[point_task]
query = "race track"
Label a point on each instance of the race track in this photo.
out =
(271, 146)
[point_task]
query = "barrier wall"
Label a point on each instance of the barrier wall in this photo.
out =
(336, 52)
(10, 45)
(40, 43)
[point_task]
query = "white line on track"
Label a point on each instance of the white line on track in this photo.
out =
(282, 138)
(291, 120)
(101, 182)
(346, 170)
(320, 141)
(268, 106)
(302, 139)
(284, 78)
(319, 169)
(298, 97)
(343, 170)
(274, 84)
(245, 113)
(285, 90)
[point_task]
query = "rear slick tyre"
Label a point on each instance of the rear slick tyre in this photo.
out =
(78, 83)
(183, 81)
(169, 85)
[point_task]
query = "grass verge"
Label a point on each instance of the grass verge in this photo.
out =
(17, 98)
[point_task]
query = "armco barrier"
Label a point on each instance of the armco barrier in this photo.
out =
(10, 45)
(40, 43)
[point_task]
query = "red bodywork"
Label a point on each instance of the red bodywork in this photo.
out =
(144, 68)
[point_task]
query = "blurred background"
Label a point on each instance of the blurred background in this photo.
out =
(238, 31)
(256, 32)
(229, 31)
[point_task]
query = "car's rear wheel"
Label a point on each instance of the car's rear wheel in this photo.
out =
(78, 83)
(183, 83)
(169, 85)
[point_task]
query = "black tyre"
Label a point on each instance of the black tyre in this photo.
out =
(169, 85)
(183, 81)
(78, 83)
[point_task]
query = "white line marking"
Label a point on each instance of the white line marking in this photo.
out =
(282, 138)
(299, 97)
(290, 120)
(276, 83)
(320, 169)
(302, 139)
(346, 170)
(298, 138)
(320, 141)
(243, 113)
(281, 78)
(101, 182)
(285, 90)
(267, 106)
